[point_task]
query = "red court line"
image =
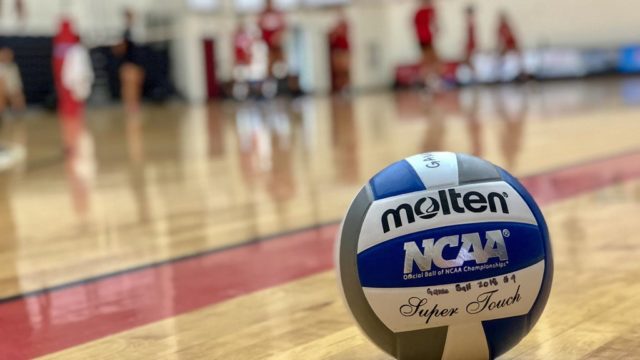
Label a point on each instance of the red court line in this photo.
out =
(575, 180)
(51, 321)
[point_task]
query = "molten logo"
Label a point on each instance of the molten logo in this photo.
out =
(471, 249)
(447, 202)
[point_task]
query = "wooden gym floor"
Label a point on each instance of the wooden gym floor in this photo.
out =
(207, 232)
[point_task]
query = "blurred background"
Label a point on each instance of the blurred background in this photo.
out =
(141, 138)
(194, 50)
(273, 113)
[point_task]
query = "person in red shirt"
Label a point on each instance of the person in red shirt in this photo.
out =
(508, 44)
(242, 42)
(273, 26)
(339, 35)
(340, 50)
(68, 106)
(470, 46)
(426, 27)
(425, 24)
(506, 39)
(242, 50)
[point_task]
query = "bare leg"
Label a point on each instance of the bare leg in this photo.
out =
(132, 79)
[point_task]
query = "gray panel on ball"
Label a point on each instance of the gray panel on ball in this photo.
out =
(424, 344)
(474, 170)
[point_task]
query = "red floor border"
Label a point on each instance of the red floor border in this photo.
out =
(48, 321)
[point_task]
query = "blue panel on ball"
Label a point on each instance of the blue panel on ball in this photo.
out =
(396, 179)
(383, 265)
(502, 334)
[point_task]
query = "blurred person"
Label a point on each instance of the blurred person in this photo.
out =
(506, 38)
(340, 50)
(273, 26)
(426, 28)
(10, 82)
(73, 72)
(77, 72)
(10, 93)
(470, 44)
(507, 42)
(243, 56)
(242, 43)
(73, 78)
(132, 73)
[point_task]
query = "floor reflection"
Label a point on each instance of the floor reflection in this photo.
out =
(511, 108)
(80, 164)
(470, 108)
(137, 176)
(175, 180)
(344, 136)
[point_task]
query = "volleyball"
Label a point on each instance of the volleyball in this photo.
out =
(444, 256)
